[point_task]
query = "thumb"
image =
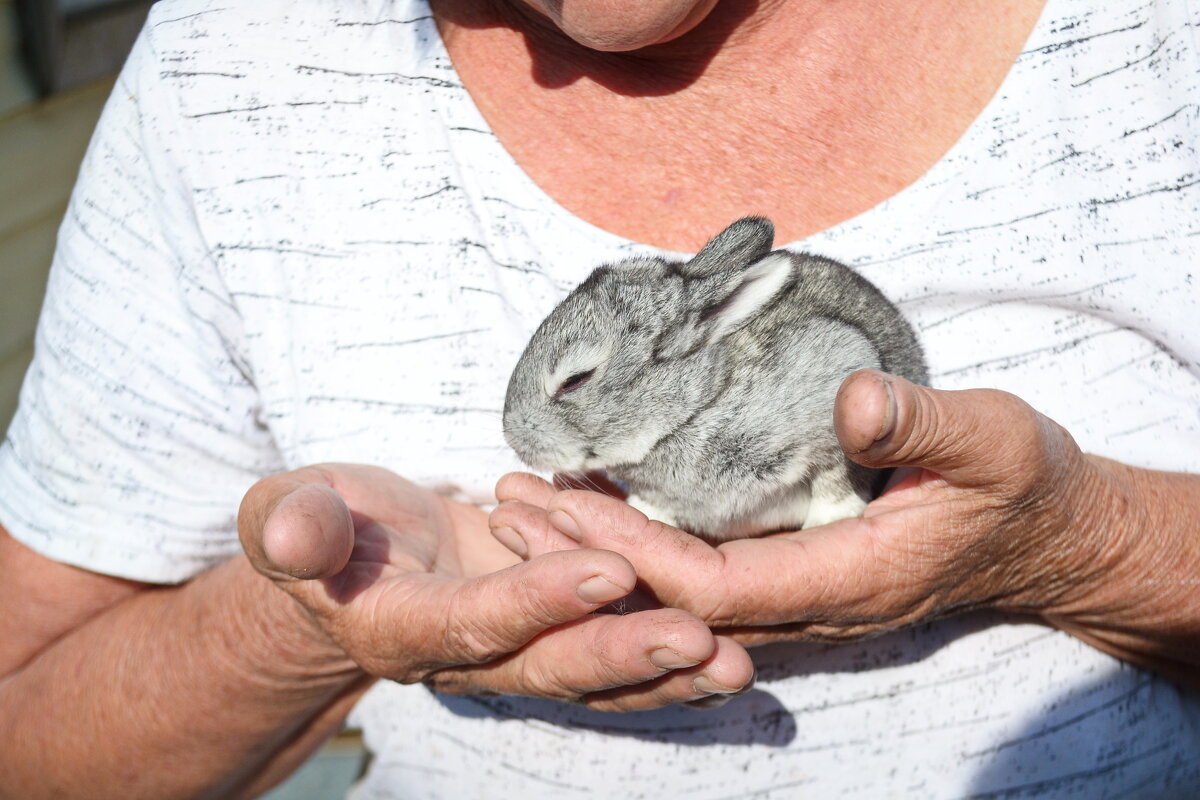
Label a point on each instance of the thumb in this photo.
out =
(975, 437)
(293, 526)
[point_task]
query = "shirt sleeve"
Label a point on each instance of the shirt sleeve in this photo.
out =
(139, 426)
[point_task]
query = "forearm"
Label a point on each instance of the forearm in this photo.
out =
(1144, 606)
(176, 692)
(257, 778)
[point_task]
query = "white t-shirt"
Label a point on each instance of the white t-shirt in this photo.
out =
(295, 239)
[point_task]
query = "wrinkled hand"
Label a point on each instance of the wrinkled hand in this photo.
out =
(998, 508)
(411, 586)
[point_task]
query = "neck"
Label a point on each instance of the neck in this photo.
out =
(807, 111)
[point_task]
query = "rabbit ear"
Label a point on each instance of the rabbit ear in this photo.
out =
(759, 285)
(727, 302)
(736, 247)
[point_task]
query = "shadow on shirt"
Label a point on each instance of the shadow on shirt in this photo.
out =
(1124, 733)
(755, 718)
(1114, 732)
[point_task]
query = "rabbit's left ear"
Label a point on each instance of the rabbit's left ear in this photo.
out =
(741, 244)
(757, 287)
(724, 303)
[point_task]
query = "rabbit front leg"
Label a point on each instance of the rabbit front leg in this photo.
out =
(834, 497)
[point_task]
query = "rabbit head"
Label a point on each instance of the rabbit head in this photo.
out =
(635, 351)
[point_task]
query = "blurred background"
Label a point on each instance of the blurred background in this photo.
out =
(58, 60)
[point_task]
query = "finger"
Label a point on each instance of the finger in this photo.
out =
(976, 437)
(494, 615)
(679, 568)
(630, 662)
(831, 572)
(294, 525)
(728, 672)
(524, 529)
(525, 488)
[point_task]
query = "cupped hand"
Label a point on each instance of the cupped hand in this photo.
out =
(411, 586)
(995, 507)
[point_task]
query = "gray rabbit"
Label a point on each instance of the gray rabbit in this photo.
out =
(707, 387)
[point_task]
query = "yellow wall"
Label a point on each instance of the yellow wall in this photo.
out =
(41, 144)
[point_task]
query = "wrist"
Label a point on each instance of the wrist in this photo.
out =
(1100, 519)
(1138, 598)
(1072, 539)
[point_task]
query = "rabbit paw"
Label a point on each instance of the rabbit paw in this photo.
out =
(823, 509)
(651, 511)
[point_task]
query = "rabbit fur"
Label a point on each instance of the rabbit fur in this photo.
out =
(707, 387)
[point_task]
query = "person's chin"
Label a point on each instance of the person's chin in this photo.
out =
(616, 33)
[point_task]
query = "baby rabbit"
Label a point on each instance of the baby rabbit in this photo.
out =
(707, 387)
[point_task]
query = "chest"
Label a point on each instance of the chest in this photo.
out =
(810, 117)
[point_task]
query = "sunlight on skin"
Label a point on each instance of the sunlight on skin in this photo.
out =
(972, 523)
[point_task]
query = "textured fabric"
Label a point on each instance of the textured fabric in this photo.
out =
(296, 240)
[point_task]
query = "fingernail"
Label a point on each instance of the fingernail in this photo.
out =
(710, 702)
(598, 590)
(666, 658)
(705, 685)
(562, 521)
(889, 412)
(512, 540)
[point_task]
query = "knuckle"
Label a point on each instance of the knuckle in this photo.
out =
(1038, 449)
(539, 610)
(470, 644)
(1019, 447)
(728, 610)
(657, 535)
(919, 428)
(597, 663)
(542, 677)
(532, 605)
(318, 473)
(1057, 441)
(468, 636)
(705, 587)
(555, 690)
(610, 662)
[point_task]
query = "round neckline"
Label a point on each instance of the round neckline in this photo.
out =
(512, 174)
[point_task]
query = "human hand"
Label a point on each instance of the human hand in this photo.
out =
(412, 588)
(998, 508)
